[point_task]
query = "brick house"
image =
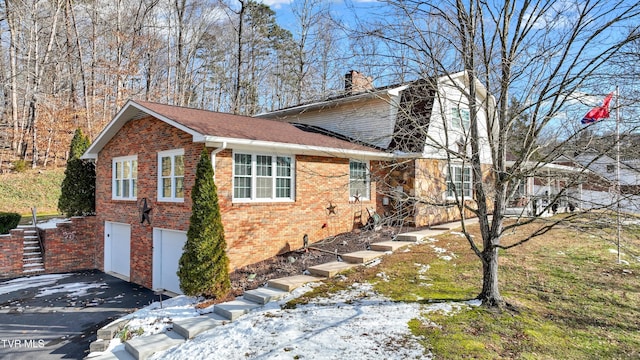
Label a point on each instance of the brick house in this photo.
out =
(276, 182)
(425, 124)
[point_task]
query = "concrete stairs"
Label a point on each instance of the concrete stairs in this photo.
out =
(276, 289)
(32, 260)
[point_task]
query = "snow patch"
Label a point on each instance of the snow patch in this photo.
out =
(78, 289)
(51, 223)
(30, 282)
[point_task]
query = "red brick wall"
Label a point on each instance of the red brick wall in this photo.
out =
(11, 252)
(144, 138)
(256, 231)
(70, 246)
(253, 231)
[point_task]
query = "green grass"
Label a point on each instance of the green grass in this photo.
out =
(568, 297)
(19, 192)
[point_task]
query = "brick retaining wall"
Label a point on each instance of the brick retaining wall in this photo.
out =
(70, 246)
(11, 253)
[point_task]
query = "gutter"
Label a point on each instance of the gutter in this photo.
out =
(293, 148)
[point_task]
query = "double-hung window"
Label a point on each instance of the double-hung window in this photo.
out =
(261, 177)
(460, 118)
(459, 182)
(171, 175)
(359, 180)
(124, 178)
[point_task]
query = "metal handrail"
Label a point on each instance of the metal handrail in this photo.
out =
(33, 218)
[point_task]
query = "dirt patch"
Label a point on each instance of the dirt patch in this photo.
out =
(296, 262)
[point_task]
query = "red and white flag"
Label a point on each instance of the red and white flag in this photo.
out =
(599, 112)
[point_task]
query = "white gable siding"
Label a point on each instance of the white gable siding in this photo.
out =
(368, 120)
(442, 136)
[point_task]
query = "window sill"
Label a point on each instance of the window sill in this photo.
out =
(263, 202)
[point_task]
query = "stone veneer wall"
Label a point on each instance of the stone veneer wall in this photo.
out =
(423, 184)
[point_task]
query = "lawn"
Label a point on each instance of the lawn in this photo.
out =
(568, 296)
(19, 192)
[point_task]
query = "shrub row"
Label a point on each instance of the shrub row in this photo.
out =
(8, 221)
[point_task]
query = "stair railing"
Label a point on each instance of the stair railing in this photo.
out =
(33, 218)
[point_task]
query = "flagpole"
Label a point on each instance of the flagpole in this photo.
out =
(618, 170)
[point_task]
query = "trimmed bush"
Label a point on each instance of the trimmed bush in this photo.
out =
(204, 265)
(8, 221)
(77, 196)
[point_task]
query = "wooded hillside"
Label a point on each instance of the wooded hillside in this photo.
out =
(69, 64)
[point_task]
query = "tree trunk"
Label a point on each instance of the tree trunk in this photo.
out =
(490, 294)
(13, 74)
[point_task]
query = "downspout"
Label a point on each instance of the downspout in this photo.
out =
(213, 157)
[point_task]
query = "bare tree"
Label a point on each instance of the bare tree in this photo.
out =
(537, 53)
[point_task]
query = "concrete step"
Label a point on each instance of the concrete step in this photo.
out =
(232, 310)
(32, 264)
(144, 346)
(99, 345)
(33, 270)
(109, 332)
(330, 269)
(290, 283)
(390, 245)
(33, 253)
(361, 257)
(31, 248)
(421, 234)
(119, 355)
(31, 242)
(191, 327)
(263, 295)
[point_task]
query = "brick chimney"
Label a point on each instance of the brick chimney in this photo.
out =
(355, 82)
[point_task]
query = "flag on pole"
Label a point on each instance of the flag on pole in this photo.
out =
(599, 112)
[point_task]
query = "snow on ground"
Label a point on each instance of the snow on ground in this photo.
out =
(29, 282)
(51, 223)
(357, 323)
(155, 319)
(352, 324)
(77, 289)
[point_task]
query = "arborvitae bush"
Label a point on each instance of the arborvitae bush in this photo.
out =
(8, 221)
(204, 265)
(77, 196)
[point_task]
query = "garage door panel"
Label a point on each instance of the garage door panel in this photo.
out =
(117, 253)
(167, 251)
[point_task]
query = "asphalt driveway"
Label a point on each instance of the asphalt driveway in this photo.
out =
(57, 316)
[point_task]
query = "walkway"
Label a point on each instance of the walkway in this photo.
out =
(276, 289)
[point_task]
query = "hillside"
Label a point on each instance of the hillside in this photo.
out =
(19, 192)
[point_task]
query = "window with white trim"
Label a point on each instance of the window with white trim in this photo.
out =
(460, 118)
(124, 184)
(359, 180)
(261, 177)
(171, 175)
(459, 182)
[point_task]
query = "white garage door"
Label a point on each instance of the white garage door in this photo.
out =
(167, 249)
(117, 248)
